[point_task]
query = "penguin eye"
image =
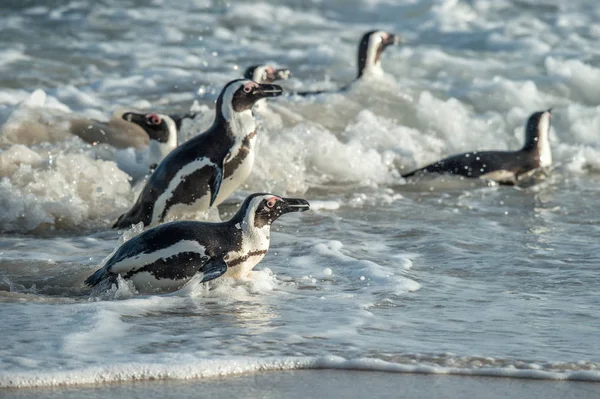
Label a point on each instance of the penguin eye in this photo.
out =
(271, 202)
(153, 119)
(247, 89)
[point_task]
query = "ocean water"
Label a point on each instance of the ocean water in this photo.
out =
(439, 277)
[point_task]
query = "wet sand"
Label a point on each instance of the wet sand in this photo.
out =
(325, 383)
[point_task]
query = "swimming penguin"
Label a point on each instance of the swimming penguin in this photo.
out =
(162, 131)
(505, 167)
(370, 48)
(205, 170)
(167, 256)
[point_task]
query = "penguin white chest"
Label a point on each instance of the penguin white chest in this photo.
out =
(253, 249)
(238, 167)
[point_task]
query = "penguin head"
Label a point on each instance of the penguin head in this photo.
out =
(537, 136)
(262, 209)
(241, 94)
(371, 47)
(159, 127)
(266, 73)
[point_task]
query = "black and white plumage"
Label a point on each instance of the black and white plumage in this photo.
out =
(370, 48)
(167, 256)
(260, 73)
(162, 131)
(205, 170)
(505, 167)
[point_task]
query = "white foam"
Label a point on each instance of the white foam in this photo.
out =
(187, 366)
(62, 191)
(580, 78)
(363, 273)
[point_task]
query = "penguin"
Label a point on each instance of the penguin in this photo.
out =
(504, 167)
(206, 169)
(162, 132)
(166, 257)
(371, 46)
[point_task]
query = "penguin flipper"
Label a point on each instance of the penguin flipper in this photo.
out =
(213, 269)
(215, 183)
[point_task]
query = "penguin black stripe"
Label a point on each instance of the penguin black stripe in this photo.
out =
(244, 258)
(188, 265)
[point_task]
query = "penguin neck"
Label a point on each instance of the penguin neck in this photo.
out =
(158, 150)
(537, 142)
(257, 237)
(369, 63)
(240, 124)
(254, 237)
(370, 70)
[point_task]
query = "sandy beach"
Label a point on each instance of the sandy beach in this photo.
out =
(325, 383)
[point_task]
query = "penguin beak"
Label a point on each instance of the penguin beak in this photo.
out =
(294, 205)
(133, 117)
(267, 90)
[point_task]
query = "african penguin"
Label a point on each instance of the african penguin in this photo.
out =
(162, 131)
(505, 167)
(371, 46)
(167, 256)
(205, 170)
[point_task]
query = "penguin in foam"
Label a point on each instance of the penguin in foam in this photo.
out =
(504, 167)
(162, 130)
(370, 48)
(166, 257)
(205, 170)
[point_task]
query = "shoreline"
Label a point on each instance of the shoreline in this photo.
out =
(319, 383)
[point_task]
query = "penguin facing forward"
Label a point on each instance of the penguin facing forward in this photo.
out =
(504, 167)
(162, 131)
(370, 48)
(166, 257)
(205, 170)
